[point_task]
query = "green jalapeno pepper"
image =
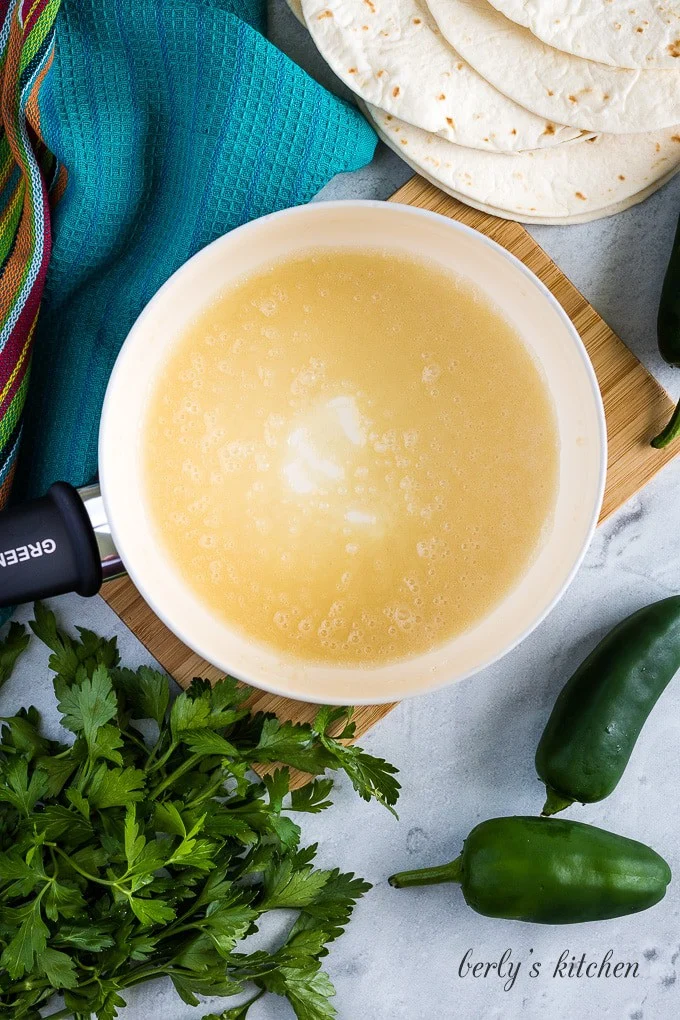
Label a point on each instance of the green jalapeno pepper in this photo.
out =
(668, 333)
(550, 871)
(601, 710)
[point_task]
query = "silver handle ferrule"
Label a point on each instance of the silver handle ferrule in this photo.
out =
(112, 565)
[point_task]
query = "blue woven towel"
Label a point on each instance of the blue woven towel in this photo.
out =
(176, 121)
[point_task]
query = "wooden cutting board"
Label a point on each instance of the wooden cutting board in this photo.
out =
(636, 408)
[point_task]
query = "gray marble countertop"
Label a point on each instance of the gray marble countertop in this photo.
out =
(466, 753)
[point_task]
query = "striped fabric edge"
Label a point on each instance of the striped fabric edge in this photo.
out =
(31, 181)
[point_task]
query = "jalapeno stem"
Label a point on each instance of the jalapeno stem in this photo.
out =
(429, 876)
(671, 432)
(555, 802)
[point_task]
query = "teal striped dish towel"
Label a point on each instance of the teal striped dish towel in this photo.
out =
(175, 121)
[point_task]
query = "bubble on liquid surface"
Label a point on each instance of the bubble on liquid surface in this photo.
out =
(427, 548)
(430, 374)
(404, 617)
(267, 306)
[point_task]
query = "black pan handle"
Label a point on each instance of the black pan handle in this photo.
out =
(53, 545)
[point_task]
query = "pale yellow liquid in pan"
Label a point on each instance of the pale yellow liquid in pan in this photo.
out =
(351, 457)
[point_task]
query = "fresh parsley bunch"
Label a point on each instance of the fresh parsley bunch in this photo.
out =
(149, 848)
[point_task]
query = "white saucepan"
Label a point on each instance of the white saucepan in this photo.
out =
(49, 546)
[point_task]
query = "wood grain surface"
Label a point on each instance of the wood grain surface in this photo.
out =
(636, 407)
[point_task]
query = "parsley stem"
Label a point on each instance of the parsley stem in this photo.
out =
(175, 930)
(205, 795)
(143, 974)
(85, 874)
(162, 760)
(187, 766)
(136, 740)
(248, 1004)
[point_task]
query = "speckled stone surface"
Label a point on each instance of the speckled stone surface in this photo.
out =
(466, 753)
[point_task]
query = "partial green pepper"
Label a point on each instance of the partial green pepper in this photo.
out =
(668, 333)
(602, 708)
(550, 871)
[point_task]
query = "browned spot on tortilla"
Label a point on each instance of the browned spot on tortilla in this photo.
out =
(449, 121)
(417, 21)
(404, 142)
(674, 138)
(674, 48)
(606, 96)
(579, 194)
(573, 99)
(622, 177)
(657, 147)
(364, 28)
(441, 96)
(639, 29)
(379, 74)
(370, 5)
(617, 26)
(486, 139)
(549, 129)
(389, 117)
(325, 14)
(514, 131)
(591, 140)
(351, 70)
(550, 92)
(395, 91)
(459, 67)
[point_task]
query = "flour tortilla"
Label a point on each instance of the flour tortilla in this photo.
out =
(623, 33)
(391, 54)
(569, 182)
(556, 85)
(555, 221)
(296, 8)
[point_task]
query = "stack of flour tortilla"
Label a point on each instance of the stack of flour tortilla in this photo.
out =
(536, 110)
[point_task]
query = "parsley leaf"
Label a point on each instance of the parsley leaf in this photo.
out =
(308, 989)
(115, 787)
(11, 648)
(312, 797)
(206, 742)
(59, 968)
(292, 744)
(28, 942)
(287, 886)
(20, 791)
(146, 692)
(148, 847)
(372, 778)
(87, 706)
